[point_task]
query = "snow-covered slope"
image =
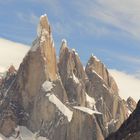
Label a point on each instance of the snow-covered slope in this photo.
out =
(67, 112)
(22, 133)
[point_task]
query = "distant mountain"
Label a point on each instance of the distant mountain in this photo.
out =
(60, 99)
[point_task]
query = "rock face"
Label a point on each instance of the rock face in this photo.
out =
(37, 73)
(96, 66)
(130, 129)
(72, 75)
(38, 66)
(61, 101)
(131, 104)
(102, 87)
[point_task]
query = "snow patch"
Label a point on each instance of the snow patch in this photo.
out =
(129, 112)
(90, 100)
(64, 41)
(87, 110)
(67, 112)
(96, 59)
(47, 86)
(75, 79)
(42, 16)
(93, 71)
(75, 52)
(105, 86)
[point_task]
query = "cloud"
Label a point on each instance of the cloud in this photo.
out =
(128, 84)
(126, 58)
(121, 14)
(30, 18)
(11, 53)
(2, 69)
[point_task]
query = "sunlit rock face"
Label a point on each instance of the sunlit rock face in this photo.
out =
(39, 64)
(104, 89)
(72, 74)
(94, 65)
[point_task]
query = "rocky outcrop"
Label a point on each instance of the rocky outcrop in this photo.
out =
(130, 129)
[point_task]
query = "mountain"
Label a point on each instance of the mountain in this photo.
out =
(60, 99)
(130, 129)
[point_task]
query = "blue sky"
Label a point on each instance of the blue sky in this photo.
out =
(109, 29)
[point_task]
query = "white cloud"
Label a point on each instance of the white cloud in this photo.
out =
(30, 18)
(128, 84)
(122, 14)
(2, 69)
(11, 53)
(127, 58)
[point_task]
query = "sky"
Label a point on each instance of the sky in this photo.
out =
(110, 29)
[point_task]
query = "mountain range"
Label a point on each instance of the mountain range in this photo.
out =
(60, 99)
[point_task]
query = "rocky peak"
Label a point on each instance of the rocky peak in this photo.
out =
(43, 25)
(72, 74)
(95, 66)
(63, 45)
(43, 46)
(70, 60)
(103, 88)
(38, 65)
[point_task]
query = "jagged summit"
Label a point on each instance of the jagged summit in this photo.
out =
(63, 45)
(95, 66)
(60, 100)
(43, 46)
(64, 41)
(43, 26)
(93, 57)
